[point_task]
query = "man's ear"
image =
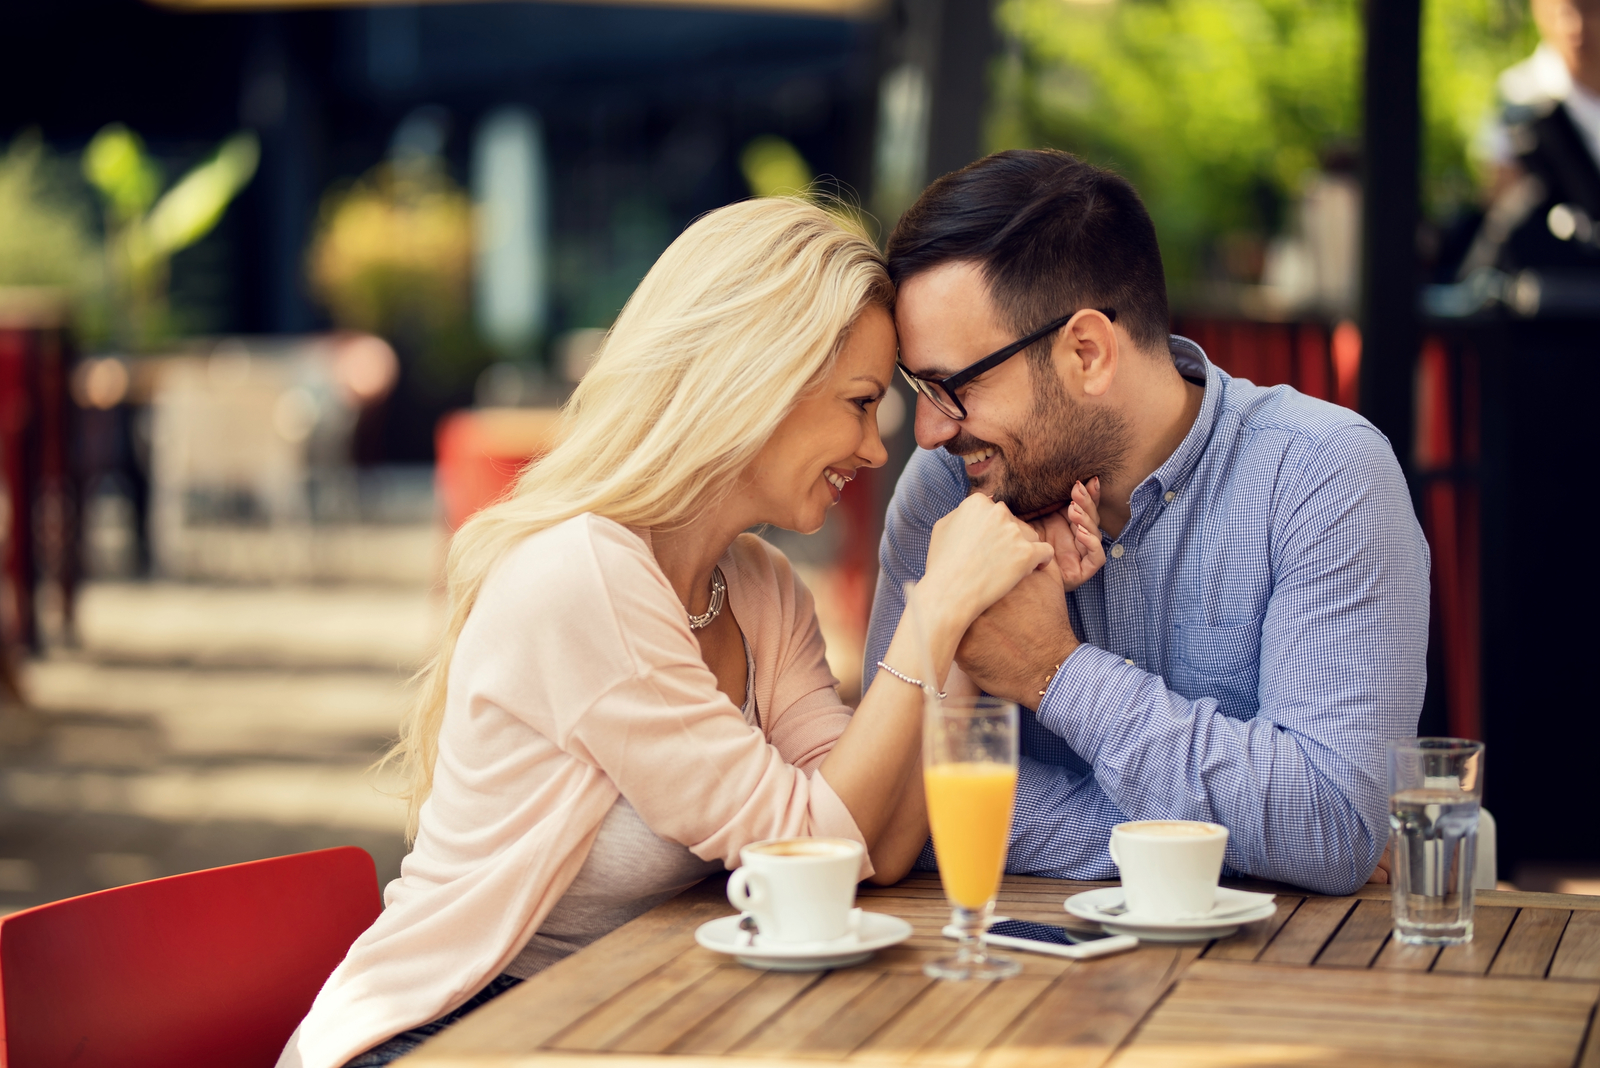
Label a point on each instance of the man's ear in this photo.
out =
(1087, 352)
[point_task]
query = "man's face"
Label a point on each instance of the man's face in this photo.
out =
(1025, 440)
(1572, 28)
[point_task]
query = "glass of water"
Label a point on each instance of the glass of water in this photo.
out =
(1435, 790)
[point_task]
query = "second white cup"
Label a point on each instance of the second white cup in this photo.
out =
(798, 889)
(1169, 868)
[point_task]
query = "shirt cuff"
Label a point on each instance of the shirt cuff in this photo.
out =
(1084, 699)
(831, 819)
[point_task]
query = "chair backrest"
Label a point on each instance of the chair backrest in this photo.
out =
(208, 969)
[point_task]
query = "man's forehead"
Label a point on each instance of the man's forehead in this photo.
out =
(946, 319)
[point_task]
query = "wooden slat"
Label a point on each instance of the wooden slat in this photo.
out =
(1399, 957)
(1253, 937)
(746, 1013)
(932, 1013)
(527, 1016)
(1526, 899)
(1232, 1012)
(1590, 1057)
(1489, 926)
(1531, 943)
(803, 1019)
(1578, 956)
(865, 1015)
(1363, 934)
(606, 1024)
(1090, 1010)
(982, 1025)
(670, 1023)
(1308, 930)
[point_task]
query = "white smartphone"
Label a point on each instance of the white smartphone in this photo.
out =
(1076, 943)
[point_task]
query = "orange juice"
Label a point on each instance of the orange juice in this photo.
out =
(969, 811)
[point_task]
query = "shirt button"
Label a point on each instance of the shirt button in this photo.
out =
(1170, 495)
(1117, 550)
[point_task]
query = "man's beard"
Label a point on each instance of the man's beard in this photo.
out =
(1063, 443)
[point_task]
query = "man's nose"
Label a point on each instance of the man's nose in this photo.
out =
(933, 427)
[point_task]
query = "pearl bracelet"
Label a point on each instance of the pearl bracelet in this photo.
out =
(918, 683)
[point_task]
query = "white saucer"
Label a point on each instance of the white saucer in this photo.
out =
(1233, 908)
(875, 931)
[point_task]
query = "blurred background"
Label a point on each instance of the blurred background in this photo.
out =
(288, 288)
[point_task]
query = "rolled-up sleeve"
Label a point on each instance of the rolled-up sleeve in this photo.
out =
(1343, 647)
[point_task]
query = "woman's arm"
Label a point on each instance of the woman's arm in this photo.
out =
(977, 554)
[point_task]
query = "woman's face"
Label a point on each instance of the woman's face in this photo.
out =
(833, 431)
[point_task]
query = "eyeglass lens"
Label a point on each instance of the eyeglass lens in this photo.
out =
(937, 395)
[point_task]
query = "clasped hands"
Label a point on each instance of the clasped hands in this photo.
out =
(1012, 648)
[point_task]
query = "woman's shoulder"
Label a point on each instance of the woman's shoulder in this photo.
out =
(763, 568)
(586, 560)
(586, 547)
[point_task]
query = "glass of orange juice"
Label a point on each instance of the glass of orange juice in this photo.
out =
(969, 768)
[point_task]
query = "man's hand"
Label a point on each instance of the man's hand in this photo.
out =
(1011, 649)
(1381, 874)
(1074, 534)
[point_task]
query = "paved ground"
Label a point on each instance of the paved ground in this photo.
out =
(198, 726)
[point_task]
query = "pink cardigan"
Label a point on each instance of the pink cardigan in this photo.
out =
(576, 678)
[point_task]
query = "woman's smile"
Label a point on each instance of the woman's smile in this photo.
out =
(836, 478)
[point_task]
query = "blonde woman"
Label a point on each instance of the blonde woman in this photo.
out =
(629, 689)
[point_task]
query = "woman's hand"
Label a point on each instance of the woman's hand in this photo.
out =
(1074, 534)
(976, 555)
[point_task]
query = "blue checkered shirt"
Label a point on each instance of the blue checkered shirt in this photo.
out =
(1258, 633)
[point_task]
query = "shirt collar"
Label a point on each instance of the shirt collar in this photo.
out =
(1192, 363)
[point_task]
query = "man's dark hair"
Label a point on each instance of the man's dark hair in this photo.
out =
(1052, 234)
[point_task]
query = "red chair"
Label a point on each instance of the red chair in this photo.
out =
(214, 968)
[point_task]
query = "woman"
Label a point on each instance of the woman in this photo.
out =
(629, 689)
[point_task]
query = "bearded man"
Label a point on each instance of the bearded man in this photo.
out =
(1259, 627)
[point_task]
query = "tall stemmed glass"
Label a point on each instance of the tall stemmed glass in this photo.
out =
(969, 767)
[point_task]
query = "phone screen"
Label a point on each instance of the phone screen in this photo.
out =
(1044, 932)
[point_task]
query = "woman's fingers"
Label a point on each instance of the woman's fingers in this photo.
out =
(1087, 500)
(980, 551)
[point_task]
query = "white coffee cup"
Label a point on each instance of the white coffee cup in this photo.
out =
(798, 889)
(1169, 868)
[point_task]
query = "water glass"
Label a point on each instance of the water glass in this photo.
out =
(1435, 792)
(969, 769)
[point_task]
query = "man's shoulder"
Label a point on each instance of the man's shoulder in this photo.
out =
(932, 482)
(1283, 418)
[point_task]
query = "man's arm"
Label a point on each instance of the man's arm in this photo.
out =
(1342, 670)
(1062, 819)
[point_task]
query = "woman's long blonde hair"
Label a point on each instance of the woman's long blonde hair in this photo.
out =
(738, 318)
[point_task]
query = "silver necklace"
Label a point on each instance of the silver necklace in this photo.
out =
(719, 588)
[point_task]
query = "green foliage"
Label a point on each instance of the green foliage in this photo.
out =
(773, 167)
(46, 232)
(392, 254)
(1217, 109)
(144, 227)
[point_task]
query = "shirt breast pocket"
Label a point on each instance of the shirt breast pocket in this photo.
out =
(1220, 662)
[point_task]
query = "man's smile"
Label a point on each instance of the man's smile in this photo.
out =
(977, 463)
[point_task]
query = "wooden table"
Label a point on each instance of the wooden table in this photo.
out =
(1321, 983)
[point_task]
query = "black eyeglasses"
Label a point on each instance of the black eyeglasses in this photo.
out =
(941, 392)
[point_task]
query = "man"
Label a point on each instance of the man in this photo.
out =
(1259, 629)
(1545, 149)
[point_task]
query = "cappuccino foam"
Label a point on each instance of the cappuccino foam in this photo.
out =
(1171, 829)
(801, 847)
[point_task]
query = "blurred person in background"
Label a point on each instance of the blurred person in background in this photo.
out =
(1260, 629)
(1545, 150)
(630, 689)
